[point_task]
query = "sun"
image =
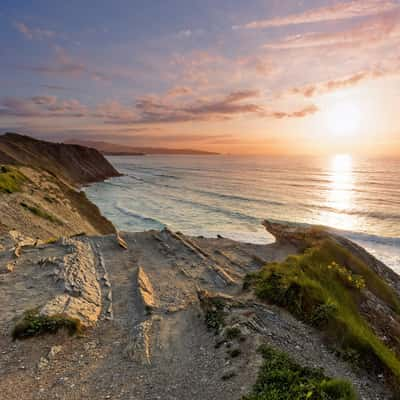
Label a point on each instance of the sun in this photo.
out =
(344, 119)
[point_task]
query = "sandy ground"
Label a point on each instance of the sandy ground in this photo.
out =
(168, 353)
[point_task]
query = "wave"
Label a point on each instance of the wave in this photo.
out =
(148, 220)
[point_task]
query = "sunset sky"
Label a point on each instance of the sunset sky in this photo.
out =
(259, 76)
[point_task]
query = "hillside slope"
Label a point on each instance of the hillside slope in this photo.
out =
(117, 149)
(39, 182)
(169, 319)
(77, 164)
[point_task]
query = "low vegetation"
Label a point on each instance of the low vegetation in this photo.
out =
(232, 333)
(214, 314)
(40, 213)
(34, 324)
(280, 378)
(11, 179)
(324, 286)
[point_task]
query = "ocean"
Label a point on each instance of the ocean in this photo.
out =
(232, 195)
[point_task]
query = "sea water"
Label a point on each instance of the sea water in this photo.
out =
(232, 195)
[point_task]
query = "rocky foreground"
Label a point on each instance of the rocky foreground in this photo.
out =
(149, 307)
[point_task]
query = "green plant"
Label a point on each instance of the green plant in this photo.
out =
(35, 324)
(40, 213)
(234, 353)
(214, 314)
(11, 179)
(324, 287)
(233, 333)
(280, 378)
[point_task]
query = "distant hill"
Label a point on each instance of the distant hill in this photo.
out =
(122, 150)
(76, 164)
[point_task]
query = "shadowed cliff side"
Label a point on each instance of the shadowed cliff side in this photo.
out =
(73, 163)
(39, 183)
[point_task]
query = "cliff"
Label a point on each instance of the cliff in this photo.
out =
(76, 164)
(38, 188)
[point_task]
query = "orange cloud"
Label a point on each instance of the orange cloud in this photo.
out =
(339, 11)
(378, 30)
(391, 67)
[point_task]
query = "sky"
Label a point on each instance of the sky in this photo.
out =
(234, 76)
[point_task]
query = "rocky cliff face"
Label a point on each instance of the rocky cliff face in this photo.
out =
(38, 188)
(72, 163)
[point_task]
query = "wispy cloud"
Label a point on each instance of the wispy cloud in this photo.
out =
(41, 107)
(152, 110)
(179, 91)
(390, 67)
(33, 33)
(149, 109)
(378, 30)
(66, 66)
(339, 11)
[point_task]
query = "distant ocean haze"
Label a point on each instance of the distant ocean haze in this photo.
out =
(231, 195)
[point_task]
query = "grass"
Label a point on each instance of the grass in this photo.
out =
(280, 378)
(234, 353)
(324, 287)
(214, 313)
(40, 213)
(11, 180)
(232, 333)
(34, 324)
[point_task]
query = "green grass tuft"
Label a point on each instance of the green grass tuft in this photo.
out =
(233, 332)
(280, 378)
(34, 324)
(41, 213)
(324, 287)
(11, 180)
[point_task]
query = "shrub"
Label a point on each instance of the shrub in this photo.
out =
(280, 378)
(233, 333)
(34, 324)
(324, 287)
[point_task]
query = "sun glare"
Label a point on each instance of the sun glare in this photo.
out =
(339, 199)
(344, 119)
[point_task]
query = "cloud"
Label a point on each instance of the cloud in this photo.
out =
(179, 91)
(41, 107)
(390, 67)
(149, 109)
(154, 110)
(261, 65)
(368, 33)
(33, 33)
(339, 11)
(66, 66)
(188, 33)
(56, 87)
(304, 112)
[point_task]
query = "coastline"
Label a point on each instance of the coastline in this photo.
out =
(161, 311)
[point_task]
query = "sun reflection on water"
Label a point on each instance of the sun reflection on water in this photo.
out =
(339, 198)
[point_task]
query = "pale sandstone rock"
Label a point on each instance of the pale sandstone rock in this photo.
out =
(145, 288)
(82, 296)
